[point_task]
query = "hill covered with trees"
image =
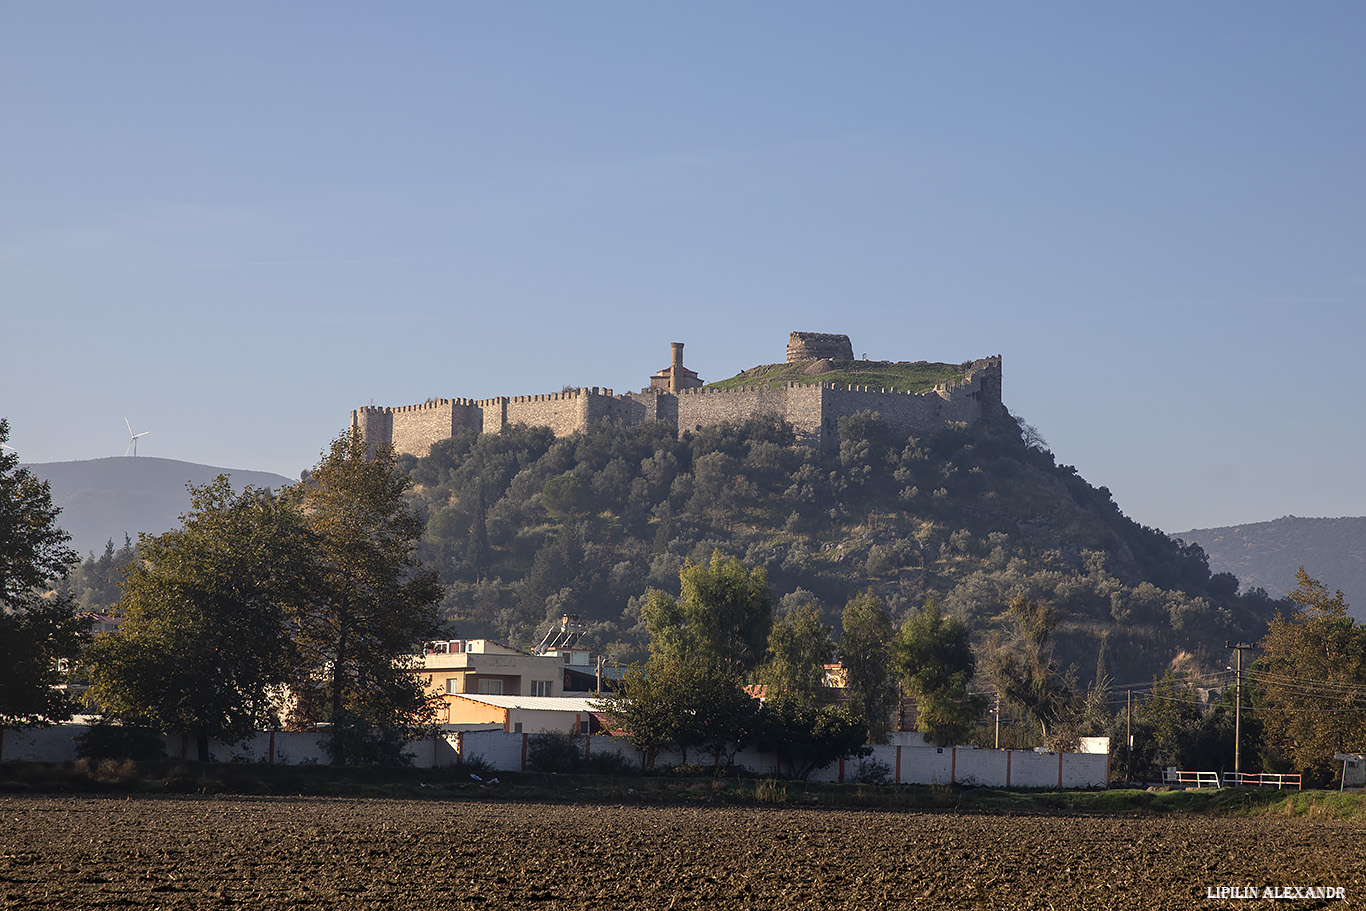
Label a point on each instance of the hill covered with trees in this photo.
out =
(1268, 554)
(524, 527)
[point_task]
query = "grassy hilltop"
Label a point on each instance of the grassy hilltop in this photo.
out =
(902, 376)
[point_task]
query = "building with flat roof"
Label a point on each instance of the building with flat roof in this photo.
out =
(489, 668)
(527, 714)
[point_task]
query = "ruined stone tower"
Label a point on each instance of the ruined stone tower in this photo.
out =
(810, 346)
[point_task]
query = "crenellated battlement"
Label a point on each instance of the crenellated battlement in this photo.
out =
(813, 409)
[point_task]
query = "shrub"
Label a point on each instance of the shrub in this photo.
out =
(478, 765)
(611, 763)
(121, 770)
(770, 791)
(554, 751)
(363, 743)
(111, 740)
(872, 771)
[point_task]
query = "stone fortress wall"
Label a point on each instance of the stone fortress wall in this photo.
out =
(813, 409)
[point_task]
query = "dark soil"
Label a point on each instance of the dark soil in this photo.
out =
(315, 852)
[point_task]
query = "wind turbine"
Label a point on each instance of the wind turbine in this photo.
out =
(133, 438)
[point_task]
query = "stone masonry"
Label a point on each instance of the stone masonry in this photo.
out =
(810, 346)
(675, 396)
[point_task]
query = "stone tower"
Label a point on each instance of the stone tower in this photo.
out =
(807, 346)
(675, 376)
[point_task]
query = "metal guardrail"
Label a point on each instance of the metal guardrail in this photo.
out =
(1277, 780)
(1191, 779)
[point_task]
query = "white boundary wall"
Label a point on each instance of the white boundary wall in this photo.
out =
(508, 752)
(58, 744)
(905, 764)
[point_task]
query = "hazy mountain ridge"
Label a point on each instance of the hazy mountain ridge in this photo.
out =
(1268, 554)
(104, 499)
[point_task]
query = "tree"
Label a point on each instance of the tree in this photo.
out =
(1024, 671)
(798, 648)
(645, 708)
(1312, 680)
(866, 654)
(38, 627)
(934, 655)
(717, 716)
(565, 496)
(97, 584)
(373, 606)
(33, 549)
(808, 737)
(673, 702)
(689, 693)
(1165, 726)
(205, 644)
(722, 618)
(478, 553)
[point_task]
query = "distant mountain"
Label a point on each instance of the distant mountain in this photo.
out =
(1267, 554)
(103, 499)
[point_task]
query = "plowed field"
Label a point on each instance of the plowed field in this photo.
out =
(272, 853)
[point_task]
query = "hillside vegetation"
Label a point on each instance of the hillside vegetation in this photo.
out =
(1267, 554)
(524, 527)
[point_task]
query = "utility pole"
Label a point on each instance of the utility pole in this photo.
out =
(998, 713)
(1129, 733)
(1238, 711)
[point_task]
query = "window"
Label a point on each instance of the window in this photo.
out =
(491, 687)
(542, 687)
(452, 684)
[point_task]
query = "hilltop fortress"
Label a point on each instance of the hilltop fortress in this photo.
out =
(676, 397)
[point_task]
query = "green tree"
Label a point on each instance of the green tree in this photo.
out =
(718, 717)
(866, 655)
(38, 626)
(702, 645)
(722, 618)
(645, 706)
(478, 553)
(1312, 680)
(676, 703)
(1165, 726)
(554, 570)
(798, 648)
(808, 737)
(1023, 668)
(565, 496)
(934, 656)
(205, 647)
(97, 583)
(374, 605)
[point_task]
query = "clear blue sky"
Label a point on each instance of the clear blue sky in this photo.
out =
(234, 223)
